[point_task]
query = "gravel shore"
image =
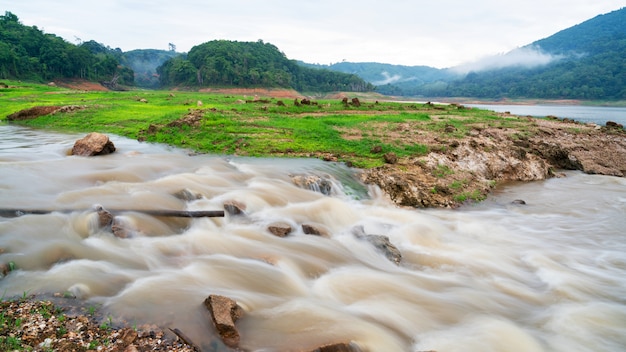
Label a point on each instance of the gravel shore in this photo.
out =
(31, 324)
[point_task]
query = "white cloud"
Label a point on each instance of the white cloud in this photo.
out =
(527, 57)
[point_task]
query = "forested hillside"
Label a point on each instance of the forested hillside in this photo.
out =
(589, 63)
(586, 61)
(30, 54)
(251, 64)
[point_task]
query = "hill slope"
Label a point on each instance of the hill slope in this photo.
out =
(585, 61)
(30, 54)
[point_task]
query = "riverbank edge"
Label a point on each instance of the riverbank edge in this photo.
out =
(461, 168)
(468, 169)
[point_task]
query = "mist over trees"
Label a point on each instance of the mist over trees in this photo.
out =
(586, 61)
(251, 64)
(590, 63)
(28, 53)
(144, 63)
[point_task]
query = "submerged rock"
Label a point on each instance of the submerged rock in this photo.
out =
(105, 218)
(338, 347)
(315, 183)
(234, 207)
(381, 242)
(4, 270)
(187, 195)
(317, 230)
(120, 229)
(225, 312)
(93, 144)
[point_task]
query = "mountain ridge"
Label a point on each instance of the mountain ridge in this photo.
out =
(584, 61)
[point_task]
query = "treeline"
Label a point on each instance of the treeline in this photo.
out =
(590, 64)
(595, 77)
(30, 54)
(251, 64)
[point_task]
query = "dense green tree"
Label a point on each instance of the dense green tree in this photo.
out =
(251, 64)
(28, 53)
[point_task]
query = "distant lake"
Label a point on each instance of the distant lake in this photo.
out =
(596, 114)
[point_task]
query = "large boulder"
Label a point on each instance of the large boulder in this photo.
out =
(93, 144)
(224, 313)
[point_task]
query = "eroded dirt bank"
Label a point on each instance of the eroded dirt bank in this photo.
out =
(467, 169)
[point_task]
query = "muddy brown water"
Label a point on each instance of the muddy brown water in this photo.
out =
(546, 276)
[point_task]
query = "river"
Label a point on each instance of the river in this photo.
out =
(583, 113)
(546, 276)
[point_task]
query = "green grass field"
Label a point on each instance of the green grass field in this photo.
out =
(229, 125)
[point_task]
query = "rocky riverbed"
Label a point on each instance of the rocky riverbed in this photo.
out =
(30, 323)
(456, 170)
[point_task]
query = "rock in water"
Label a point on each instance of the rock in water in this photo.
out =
(234, 207)
(105, 218)
(338, 347)
(93, 144)
(280, 229)
(317, 230)
(383, 244)
(225, 312)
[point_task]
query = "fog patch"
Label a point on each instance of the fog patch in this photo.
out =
(526, 57)
(389, 79)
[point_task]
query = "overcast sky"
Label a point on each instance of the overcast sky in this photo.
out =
(438, 33)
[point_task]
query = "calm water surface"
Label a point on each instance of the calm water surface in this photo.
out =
(547, 276)
(594, 114)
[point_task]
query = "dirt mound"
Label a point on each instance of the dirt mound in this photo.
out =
(32, 113)
(467, 168)
(80, 84)
(37, 111)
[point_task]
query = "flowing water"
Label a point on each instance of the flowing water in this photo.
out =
(546, 276)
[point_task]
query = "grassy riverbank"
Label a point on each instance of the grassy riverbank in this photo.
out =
(255, 125)
(420, 154)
